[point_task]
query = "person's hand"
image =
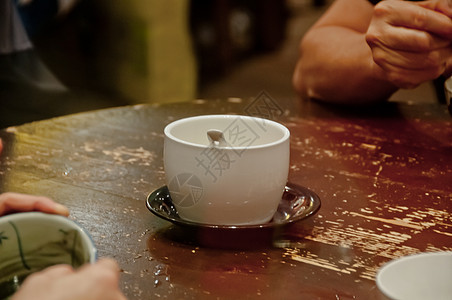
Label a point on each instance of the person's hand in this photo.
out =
(90, 282)
(411, 41)
(15, 202)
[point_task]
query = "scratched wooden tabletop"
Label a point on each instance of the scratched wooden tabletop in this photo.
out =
(383, 174)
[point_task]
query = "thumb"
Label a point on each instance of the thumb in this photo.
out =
(109, 264)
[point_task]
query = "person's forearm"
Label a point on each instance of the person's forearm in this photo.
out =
(336, 65)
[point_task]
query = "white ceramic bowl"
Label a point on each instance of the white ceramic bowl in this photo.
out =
(417, 277)
(240, 182)
(32, 241)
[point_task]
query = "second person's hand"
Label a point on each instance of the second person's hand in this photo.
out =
(16, 202)
(411, 41)
(98, 281)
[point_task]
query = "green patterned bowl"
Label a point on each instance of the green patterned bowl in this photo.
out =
(32, 241)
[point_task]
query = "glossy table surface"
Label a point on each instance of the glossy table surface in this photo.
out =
(383, 174)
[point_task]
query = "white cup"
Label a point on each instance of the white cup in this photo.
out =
(33, 241)
(237, 182)
(417, 277)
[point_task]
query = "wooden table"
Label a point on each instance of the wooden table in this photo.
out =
(383, 174)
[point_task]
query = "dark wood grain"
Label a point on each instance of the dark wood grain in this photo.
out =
(383, 174)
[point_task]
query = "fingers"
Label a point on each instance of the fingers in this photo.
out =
(59, 270)
(105, 267)
(423, 17)
(403, 78)
(410, 43)
(15, 202)
(53, 272)
(97, 281)
(49, 274)
(105, 275)
(400, 25)
(51, 207)
(442, 6)
(410, 60)
(404, 39)
(108, 264)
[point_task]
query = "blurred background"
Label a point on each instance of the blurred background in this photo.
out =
(93, 54)
(101, 53)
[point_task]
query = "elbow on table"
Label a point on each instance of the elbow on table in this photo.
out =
(297, 82)
(309, 88)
